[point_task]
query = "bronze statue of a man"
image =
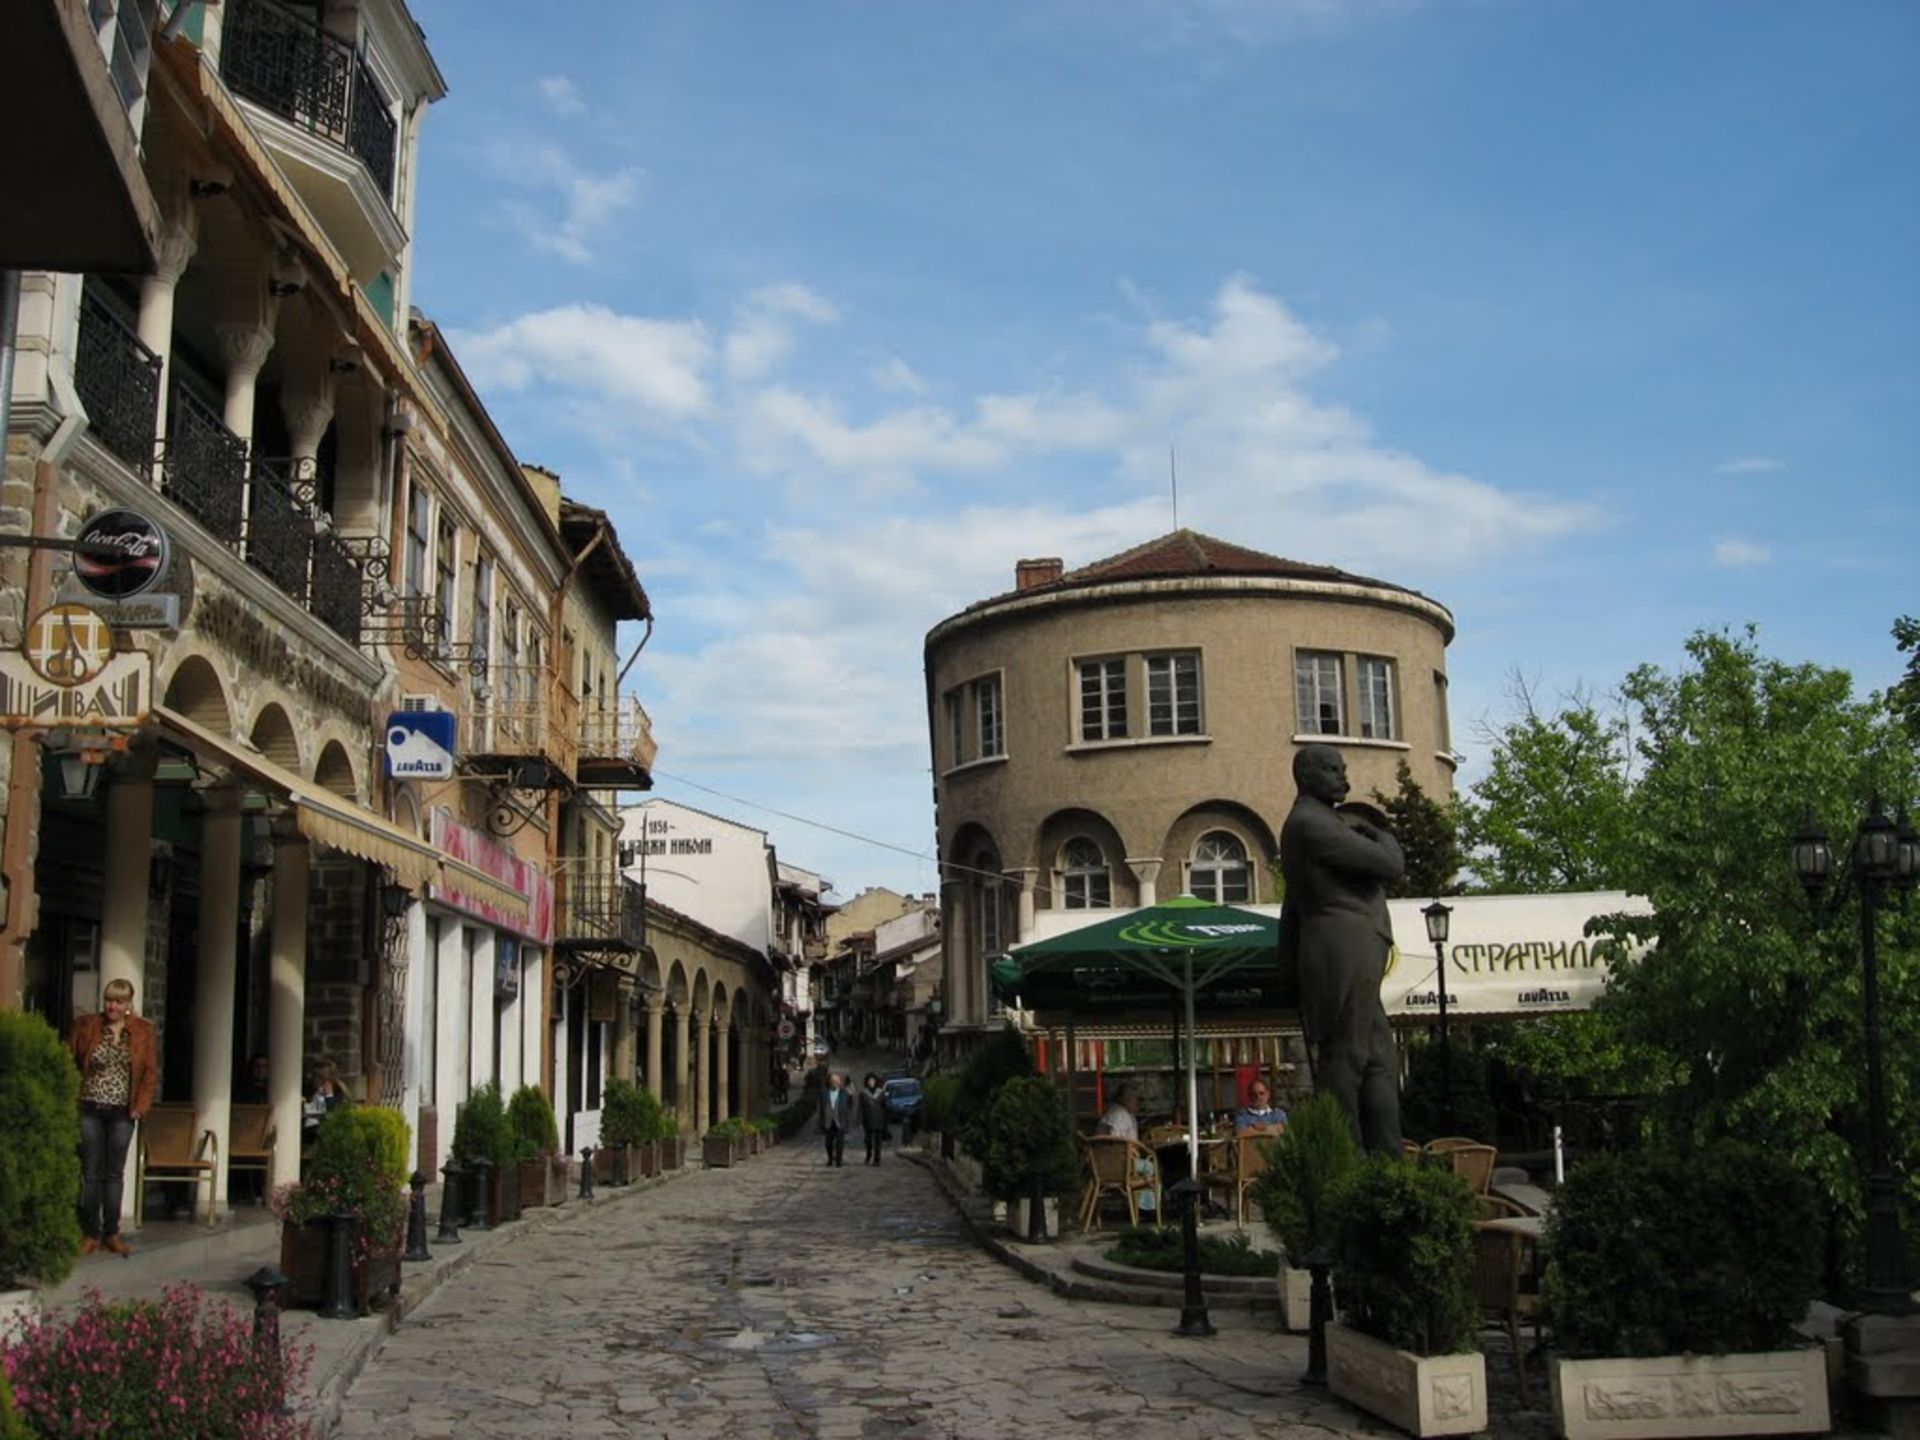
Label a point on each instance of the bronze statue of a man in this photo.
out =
(1334, 932)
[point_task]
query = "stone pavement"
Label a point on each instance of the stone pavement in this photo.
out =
(781, 1298)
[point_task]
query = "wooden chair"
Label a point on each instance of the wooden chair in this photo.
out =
(1504, 1282)
(1471, 1161)
(250, 1141)
(1250, 1155)
(171, 1154)
(1119, 1166)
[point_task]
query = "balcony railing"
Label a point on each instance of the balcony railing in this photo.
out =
(598, 909)
(510, 718)
(284, 62)
(624, 734)
(118, 379)
(203, 466)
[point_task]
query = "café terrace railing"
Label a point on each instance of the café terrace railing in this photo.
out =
(266, 511)
(284, 62)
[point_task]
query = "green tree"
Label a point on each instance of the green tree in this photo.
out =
(1554, 810)
(1428, 834)
(1750, 1003)
(1904, 698)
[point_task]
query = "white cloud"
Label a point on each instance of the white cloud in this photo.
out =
(1750, 465)
(896, 377)
(562, 96)
(1737, 554)
(658, 366)
(583, 205)
(762, 334)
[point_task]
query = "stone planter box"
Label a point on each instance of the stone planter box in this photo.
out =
(1296, 1299)
(1780, 1392)
(716, 1151)
(303, 1260)
(1018, 1217)
(17, 1307)
(1422, 1394)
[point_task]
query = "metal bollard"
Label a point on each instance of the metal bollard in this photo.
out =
(417, 1219)
(1193, 1312)
(337, 1303)
(1319, 1312)
(586, 1172)
(451, 1175)
(480, 1194)
(267, 1285)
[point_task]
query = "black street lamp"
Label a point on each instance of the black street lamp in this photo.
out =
(1884, 859)
(1439, 917)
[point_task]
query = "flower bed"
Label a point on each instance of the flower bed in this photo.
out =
(1149, 1247)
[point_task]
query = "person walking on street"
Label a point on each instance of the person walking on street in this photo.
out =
(873, 1117)
(119, 1070)
(836, 1114)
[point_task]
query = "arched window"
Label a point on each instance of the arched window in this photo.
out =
(989, 901)
(1084, 881)
(1219, 871)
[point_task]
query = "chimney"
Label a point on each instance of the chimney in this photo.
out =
(1030, 574)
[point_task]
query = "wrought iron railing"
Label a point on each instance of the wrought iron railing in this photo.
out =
(336, 594)
(279, 523)
(284, 62)
(118, 379)
(597, 906)
(203, 465)
(510, 717)
(625, 733)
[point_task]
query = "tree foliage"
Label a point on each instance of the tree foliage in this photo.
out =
(1428, 834)
(1554, 809)
(1904, 698)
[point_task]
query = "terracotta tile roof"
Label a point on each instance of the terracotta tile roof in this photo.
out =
(1190, 553)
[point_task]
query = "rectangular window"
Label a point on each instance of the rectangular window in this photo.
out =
(956, 728)
(1173, 694)
(1103, 699)
(1440, 705)
(1375, 677)
(482, 615)
(419, 531)
(444, 555)
(1316, 693)
(992, 719)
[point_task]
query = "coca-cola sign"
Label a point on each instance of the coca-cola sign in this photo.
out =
(118, 554)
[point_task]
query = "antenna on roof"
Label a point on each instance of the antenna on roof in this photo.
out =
(1173, 479)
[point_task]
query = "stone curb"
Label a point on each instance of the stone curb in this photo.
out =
(327, 1401)
(986, 1234)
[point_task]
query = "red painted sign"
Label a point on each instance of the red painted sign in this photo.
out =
(492, 859)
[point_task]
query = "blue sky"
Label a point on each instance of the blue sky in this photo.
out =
(1597, 321)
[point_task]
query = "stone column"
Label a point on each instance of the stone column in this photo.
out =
(480, 1012)
(287, 1001)
(244, 345)
(703, 1075)
(177, 241)
(1028, 878)
(220, 831)
(123, 902)
(723, 1053)
(1146, 874)
(655, 1007)
(683, 1066)
(623, 1038)
(308, 410)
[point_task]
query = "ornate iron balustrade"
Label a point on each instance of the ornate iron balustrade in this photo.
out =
(286, 63)
(625, 733)
(338, 585)
(203, 466)
(280, 524)
(118, 379)
(598, 908)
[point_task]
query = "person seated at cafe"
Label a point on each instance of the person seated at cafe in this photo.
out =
(1259, 1116)
(1123, 1113)
(326, 1094)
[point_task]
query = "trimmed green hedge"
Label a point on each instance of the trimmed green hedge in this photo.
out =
(1716, 1253)
(530, 1116)
(39, 1152)
(1403, 1256)
(1163, 1247)
(1306, 1164)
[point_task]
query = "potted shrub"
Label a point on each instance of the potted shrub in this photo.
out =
(628, 1120)
(723, 1143)
(40, 1178)
(1403, 1266)
(939, 1094)
(1029, 1153)
(1305, 1164)
(672, 1147)
(356, 1168)
(481, 1132)
(1673, 1286)
(537, 1140)
(178, 1365)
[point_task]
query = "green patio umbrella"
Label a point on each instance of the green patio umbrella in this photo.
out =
(1183, 946)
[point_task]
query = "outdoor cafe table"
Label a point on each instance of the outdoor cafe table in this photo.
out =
(1171, 1148)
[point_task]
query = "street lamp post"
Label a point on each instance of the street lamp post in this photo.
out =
(1885, 857)
(1439, 917)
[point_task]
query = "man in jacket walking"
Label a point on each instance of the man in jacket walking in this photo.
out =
(836, 1114)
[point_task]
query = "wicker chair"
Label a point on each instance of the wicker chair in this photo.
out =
(1250, 1155)
(1504, 1281)
(1118, 1166)
(1471, 1160)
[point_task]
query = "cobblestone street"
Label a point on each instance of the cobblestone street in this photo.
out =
(781, 1298)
